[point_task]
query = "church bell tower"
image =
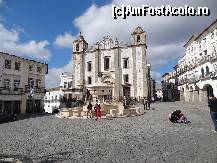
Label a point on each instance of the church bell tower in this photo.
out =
(79, 48)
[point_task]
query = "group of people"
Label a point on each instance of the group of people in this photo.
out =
(176, 116)
(97, 110)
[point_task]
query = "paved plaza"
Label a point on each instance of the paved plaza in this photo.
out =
(148, 138)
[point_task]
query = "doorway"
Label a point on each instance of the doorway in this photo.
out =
(126, 91)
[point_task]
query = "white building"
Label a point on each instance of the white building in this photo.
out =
(122, 68)
(22, 84)
(197, 69)
(159, 93)
(66, 84)
(52, 99)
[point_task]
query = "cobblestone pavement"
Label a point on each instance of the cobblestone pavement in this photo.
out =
(148, 138)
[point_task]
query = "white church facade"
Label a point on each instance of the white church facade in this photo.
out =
(119, 69)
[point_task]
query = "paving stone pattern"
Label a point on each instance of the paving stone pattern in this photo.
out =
(148, 138)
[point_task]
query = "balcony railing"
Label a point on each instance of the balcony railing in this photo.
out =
(8, 91)
(198, 62)
(195, 79)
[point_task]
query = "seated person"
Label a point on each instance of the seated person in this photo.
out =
(177, 116)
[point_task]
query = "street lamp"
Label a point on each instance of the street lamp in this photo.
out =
(31, 97)
(149, 83)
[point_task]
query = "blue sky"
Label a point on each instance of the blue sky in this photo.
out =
(44, 30)
(43, 20)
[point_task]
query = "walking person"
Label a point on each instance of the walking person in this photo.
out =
(148, 103)
(125, 102)
(212, 103)
(89, 110)
(98, 111)
(145, 103)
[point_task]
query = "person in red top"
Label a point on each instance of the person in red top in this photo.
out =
(98, 111)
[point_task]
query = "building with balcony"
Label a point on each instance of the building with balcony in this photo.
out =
(52, 99)
(120, 67)
(22, 84)
(197, 69)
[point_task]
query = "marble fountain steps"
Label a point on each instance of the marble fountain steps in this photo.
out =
(108, 111)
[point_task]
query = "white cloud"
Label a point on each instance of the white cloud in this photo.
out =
(53, 76)
(10, 42)
(64, 41)
(1, 2)
(165, 35)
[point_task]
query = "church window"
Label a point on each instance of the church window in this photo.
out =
(126, 63)
(106, 63)
(89, 66)
(202, 72)
(126, 78)
(207, 70)
(138, 39)
(77, 47)
(89, 81)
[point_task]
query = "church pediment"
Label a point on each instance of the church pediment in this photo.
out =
(108, 79)
(106, 43)
(138, 30)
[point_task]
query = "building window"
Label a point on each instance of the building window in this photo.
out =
(106, 63)
(77, 47)
(16, 84)
(17, 66)
(212, 35)
(30, 67)
(8, 64)
(70, 84)
(7, 83)
(39, 69)
(126, 63)
(89, 81)
(31, 82)
(207, 70)
(126, 78)
(202, 72)
(138, 39)
(89, 66)
(38, 83)
(65, 85)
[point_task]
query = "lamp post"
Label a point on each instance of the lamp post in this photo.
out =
(31, 97)
(149, 83)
